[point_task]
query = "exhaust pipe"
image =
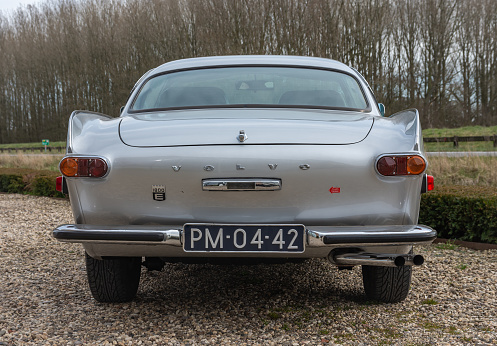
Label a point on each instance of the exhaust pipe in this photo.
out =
(375, 259)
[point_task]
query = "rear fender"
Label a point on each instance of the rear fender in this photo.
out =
(84, 128)
(409, 121)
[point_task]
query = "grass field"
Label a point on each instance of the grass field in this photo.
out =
(468, 171)
(461, 131)
(38, 162)
(32, 145)
(463, 146)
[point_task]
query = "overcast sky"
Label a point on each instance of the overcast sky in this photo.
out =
(9, 5)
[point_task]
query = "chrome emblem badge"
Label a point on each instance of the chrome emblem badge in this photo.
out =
(272, 166)
(208, 168)
(176, 168)
(242, 137)
(239, 167)
(159, 192)
(305, 167)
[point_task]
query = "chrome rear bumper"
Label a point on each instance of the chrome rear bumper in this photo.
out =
(317, 236)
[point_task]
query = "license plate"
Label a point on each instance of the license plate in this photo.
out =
(243, 238)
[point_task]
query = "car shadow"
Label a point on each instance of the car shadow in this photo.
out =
(203, 287)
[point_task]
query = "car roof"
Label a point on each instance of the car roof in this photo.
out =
(234, 60)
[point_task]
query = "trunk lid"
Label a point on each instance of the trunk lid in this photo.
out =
(261, 126)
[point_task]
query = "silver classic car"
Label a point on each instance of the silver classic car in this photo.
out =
(253, 158)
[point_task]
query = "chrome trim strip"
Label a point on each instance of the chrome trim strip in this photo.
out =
(340, 236)
(143, 235)
(376, 259)
(241, 184)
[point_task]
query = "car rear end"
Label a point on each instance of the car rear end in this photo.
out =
(246, 161)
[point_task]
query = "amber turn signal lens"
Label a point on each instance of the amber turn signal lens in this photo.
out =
(415, 165)
(69, 167)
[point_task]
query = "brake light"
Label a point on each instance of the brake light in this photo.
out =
(401, 165)
(83, 167)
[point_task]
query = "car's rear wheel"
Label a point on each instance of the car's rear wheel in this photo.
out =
(113, 280)
(386, 284)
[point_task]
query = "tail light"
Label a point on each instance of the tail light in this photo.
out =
(401, 165)
(59, 183)
(83, 167)
(61, 186)
(430, 182)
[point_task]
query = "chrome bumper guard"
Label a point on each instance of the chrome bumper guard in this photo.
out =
(317, 236)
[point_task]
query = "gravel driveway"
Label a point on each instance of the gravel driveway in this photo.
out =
(45, 299)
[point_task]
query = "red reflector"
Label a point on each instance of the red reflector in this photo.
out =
(335, 190)
(58, 184)
(430, 182)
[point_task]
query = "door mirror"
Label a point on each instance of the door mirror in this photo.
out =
(381, 107)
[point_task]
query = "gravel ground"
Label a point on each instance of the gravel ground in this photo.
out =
(45, 298)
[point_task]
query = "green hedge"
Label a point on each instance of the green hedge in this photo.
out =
(461, 212)
(40, 183)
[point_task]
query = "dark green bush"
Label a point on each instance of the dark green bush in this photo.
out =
(460, 212)
(40, 183)
(11, 183)
(45, 186)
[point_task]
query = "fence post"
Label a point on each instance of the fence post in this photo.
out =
(495, 140)
(456, 141)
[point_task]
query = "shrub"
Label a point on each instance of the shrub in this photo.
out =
(11, 183)
(461, 212)
(40, 183)
(45, 186)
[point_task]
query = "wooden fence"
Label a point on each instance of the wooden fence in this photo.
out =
(32, 150)
(456, 139)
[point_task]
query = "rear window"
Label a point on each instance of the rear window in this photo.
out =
(251, 87)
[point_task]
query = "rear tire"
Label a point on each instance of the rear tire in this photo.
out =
(113, 280)
(386, 284)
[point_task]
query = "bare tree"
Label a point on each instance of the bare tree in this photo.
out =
(437, 55)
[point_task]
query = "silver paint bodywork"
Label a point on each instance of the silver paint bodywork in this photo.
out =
(302, 154)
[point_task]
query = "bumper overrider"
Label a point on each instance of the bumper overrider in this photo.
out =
(318, 236)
